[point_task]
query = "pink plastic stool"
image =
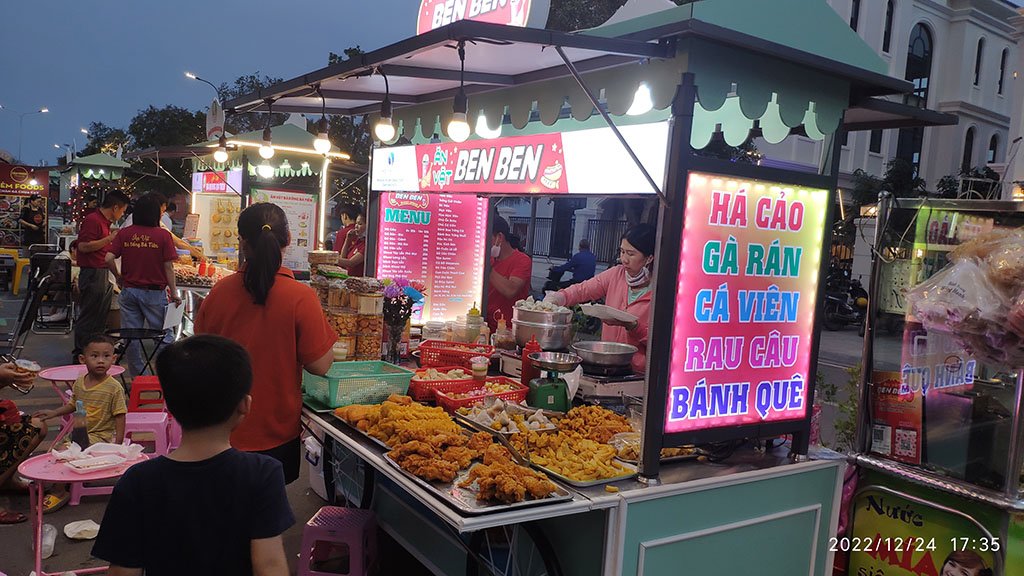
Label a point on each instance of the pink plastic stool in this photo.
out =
(155, 423)
(79, 489)
(174, 434)
(353, 528)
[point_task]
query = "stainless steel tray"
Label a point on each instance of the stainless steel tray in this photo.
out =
(480, 427)
(682, 458)
(590, 483)
(464, 499)
(361, 433)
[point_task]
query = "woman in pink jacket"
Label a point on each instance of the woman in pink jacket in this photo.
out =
(626, 287)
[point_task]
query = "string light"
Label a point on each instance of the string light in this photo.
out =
(384, 130)
(322, 144)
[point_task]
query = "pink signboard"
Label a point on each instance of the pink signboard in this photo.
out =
(744, 316)
(437, 13)
(440, 240)
(515, 165)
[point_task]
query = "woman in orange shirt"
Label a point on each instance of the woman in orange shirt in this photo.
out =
(280, 323)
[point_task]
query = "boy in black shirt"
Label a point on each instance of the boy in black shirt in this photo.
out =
(206, 508)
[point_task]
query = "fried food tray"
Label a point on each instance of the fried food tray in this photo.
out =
(359, 432)
(589, 483)
(464, 499)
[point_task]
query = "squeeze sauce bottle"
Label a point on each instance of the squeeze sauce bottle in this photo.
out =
(529, 371)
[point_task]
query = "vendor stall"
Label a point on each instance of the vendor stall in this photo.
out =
(733, 330)
(940, 432)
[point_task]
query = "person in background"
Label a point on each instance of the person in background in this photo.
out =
(206, 508)
(165, 218)
(94, 238)
(20, 434)
(582, 264)
(626, 287)
(348, 213)
(353, 249)
(33, 222)
(280, 322)
(166, 224)
(511, 271)
(146, 276)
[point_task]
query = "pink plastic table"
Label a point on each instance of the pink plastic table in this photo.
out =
(67, 375)
(44, 468)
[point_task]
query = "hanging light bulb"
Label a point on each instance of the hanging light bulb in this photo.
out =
(322, 144)
(484, 130)
(642, 102)
(384, 129)
(265, 170)
(221, 155)
(458, 127)
(267, 149)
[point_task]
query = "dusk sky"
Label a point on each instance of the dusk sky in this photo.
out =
(103, 60)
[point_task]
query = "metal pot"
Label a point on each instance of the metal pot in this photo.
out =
(538, 317)
(549, 336)
(605, 353)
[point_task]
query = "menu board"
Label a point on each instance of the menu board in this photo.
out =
(744, 316)
(300, 209)
(440, 240)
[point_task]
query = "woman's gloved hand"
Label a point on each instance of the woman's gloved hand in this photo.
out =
(556, 298)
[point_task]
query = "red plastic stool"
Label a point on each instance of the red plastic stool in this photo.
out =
(154, 399)
(350, 531)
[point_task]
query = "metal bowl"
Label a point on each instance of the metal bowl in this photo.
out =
(555, 361)
(549, 336)
(538, 317)
(605, 353)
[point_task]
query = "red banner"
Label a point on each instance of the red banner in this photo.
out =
(522, 164)
(437, 13)
(23, 181)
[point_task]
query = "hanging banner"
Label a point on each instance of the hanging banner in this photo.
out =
(434, 14)
(300, 209)
(437, 239)
(23, 181)
(229, 182)
(578, 162)
(893, 536)
(744, 317)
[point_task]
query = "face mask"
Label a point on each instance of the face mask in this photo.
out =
(639, 280)
(495, 251)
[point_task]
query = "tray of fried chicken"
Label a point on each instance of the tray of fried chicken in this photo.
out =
(467, 470)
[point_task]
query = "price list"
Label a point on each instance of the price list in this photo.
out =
(439, 239)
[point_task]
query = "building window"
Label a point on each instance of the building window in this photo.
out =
(1002, 70)
(965, 164)
(993, 149)
(978, 56)
(854, 14)
(919, 70)
(876, 142)
(887, 33)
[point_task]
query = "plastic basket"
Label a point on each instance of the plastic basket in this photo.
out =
(435, 353)
(357, 383)
(423, 390)
(450, 404)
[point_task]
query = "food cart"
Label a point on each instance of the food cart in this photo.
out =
(939, 441)
(733, 331)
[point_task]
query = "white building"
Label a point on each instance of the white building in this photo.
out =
(963, 57)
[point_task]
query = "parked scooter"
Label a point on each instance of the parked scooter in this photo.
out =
(846, 301)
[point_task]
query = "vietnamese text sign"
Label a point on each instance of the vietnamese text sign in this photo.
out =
(522, 163)
(217, 182)
(300, 209)
(23, 181)
(434, 14)
(438, 239)
(744, 316)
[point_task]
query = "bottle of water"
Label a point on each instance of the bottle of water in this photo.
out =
(80, 430)
(49, 537)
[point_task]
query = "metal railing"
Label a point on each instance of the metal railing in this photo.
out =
(545, 243)
(604, 236)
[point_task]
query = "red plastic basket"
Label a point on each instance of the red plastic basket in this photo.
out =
(434, 353)
(450, 404)
(423, 390)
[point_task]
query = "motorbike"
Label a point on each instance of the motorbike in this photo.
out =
(555, 283)
(846, 301)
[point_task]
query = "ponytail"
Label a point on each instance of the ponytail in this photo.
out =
(264, 228)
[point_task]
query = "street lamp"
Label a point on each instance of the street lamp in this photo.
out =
(21, 121)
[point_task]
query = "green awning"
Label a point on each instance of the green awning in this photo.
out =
(100, 167)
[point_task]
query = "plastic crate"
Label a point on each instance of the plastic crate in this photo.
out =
(435, 353)
(450, 404)
(357, 383)
(423, 390)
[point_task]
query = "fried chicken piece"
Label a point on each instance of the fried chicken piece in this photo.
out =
(431, 469)
(480, 441)
(357, 412)
(497, 454)
(538, 486)
(399, 399)
(461, 455)
(401, 451)
(503, 488)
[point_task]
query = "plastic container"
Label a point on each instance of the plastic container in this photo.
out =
(357, 383)
(371, 304)
(479, 365)
(424, 390)
(440, 353)
(503, 339)
(49, 538)
(433, 330)
(529, 371)
(515, 396)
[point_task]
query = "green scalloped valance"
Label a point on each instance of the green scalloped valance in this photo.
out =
(286, 170)
(101, 173)
(734, 88)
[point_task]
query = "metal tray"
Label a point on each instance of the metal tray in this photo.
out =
(590, 483)
(469, 422)
(682, 458)
(361, 433)
(464, 499)
(316, 405)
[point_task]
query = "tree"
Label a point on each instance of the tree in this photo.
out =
(103, 138)
(248, 121)
(980, 182)
(900, 178)
(573, 15)
(168, 126)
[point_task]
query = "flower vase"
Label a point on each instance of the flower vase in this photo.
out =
(394, 349)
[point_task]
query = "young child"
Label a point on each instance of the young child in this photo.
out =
(205, 508)
(102, 396)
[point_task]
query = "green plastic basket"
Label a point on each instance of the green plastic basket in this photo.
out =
(357, 383)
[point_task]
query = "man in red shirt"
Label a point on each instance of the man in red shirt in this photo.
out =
(511, 271)
(147, 256)
(94, 238)
(349, 212)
